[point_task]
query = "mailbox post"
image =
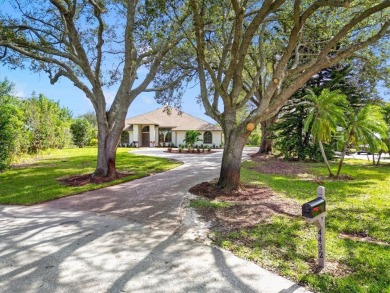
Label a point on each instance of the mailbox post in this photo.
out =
(315, 211)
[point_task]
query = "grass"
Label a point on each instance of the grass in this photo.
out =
(35, 180)
(204, 203)
(288, 245)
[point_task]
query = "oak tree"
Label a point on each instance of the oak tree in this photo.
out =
(265, 51)
(95, 44)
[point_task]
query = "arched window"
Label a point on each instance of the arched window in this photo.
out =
(208, 137)
(145, 129)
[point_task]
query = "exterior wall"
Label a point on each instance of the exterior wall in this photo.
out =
(131, 135)
(156, 135)
(180, 136)
(152, 135)
(217, 138)
(136, 134)
(177, 136)
(174, 139)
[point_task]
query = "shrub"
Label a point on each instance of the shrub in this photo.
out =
(13, 137)
(254, 139)
(93, 142)
(81, 132)
(191, 137)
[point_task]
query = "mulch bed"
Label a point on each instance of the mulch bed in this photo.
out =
(271, 165)
(250, 206)
(81, 180)
(184, 152)
(254, 205)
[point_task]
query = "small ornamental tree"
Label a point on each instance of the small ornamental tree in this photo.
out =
(365, 127)
(325, 113)
(191, 137)
(82, 132)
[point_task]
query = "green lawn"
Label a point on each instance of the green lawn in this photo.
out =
(36, 180)
(288, 245)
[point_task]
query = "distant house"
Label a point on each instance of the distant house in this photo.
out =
(157, 128)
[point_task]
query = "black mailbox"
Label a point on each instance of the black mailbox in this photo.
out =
(313, 208)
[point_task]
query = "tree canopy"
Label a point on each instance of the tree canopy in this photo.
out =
(264, 51)
(96, 45)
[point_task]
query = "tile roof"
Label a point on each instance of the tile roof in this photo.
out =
(176, 120)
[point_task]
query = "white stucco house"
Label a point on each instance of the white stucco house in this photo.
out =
(157, 128)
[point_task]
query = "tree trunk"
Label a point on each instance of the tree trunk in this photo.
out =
(231, 160)
(343, 155)
(342, 159)
(266, 141)
(109, 133)
(107, 145)
(379, 158)
(325, 159)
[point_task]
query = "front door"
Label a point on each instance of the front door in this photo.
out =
(145, 136)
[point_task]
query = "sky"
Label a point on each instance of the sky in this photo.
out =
(69, 96)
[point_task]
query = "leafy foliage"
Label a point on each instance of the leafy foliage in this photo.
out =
(30, 125)
(364, 127)
(263, 52)
(12, 132)
(191, 137)
(82, 132)
(95, 45)
(325, 114)
(48, 124)
(290, 138)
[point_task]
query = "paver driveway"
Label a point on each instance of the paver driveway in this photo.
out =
(123, 239)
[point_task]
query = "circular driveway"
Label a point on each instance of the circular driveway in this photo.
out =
(99, 241)
(155, 200)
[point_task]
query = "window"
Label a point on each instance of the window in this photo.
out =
(208, 137)
(165, 135)
(145, 129)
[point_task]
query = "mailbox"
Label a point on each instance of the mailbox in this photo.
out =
(313, 208)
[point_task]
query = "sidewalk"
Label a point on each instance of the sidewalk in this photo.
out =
(123, 239)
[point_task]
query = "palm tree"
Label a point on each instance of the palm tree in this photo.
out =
(326, 112)
(386, 117)
(365, 127)
(192, 136)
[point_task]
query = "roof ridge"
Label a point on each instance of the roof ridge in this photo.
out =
(144, 114)
(197, 118)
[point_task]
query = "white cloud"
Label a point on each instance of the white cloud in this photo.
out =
(148, 100)
(19, 92)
